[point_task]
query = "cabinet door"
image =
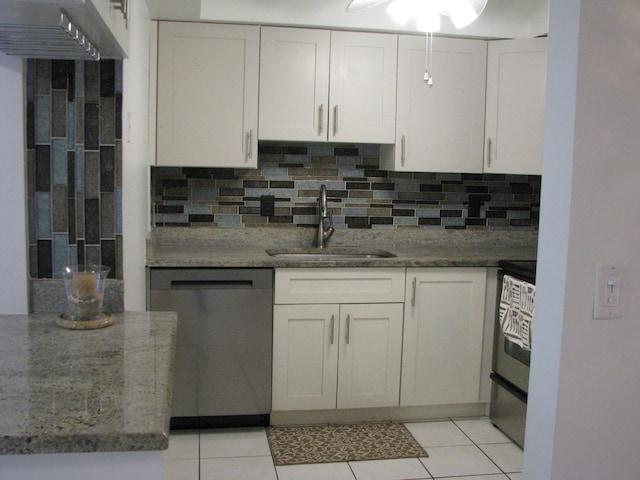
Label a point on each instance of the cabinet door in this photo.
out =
(294, 84)
(207, 95)
(516, 84)
(443, 327)
(370, 355)
(305, 357)
(440, 128)
(363, 87)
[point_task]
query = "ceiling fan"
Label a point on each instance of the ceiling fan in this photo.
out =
(427, 16)
(426, 12)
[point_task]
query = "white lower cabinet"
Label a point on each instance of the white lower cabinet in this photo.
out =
(337, 355)
(375, 337)
(305, 357)
(370, 355)
(443, 336)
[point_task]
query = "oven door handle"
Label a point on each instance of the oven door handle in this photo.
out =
(510, 387)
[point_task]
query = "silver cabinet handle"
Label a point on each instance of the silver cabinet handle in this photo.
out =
(249, 146)
(331, 327)
(488, 151)
(346, 337)
(320, 119)
(413, 292)
(402, 149)
(335, 120)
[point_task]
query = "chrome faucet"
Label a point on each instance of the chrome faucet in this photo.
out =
(323, 214)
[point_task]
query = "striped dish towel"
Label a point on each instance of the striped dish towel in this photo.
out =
(517, 302)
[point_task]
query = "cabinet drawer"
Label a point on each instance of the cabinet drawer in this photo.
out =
(339, 285)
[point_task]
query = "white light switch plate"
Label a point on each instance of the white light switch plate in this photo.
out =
(611, 284)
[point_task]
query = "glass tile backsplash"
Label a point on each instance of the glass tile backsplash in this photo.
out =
(74, 165)
(360, 194)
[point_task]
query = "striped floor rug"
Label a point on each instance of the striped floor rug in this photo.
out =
(342, 443)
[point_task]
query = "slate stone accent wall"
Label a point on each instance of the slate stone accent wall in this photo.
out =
(360, 194)
(74, 165)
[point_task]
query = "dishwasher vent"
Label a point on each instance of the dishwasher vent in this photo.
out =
(64, 41)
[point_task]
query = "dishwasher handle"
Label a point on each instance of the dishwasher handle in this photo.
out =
(210, 284)
(210, 278)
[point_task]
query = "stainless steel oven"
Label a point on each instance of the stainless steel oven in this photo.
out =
(510, 367)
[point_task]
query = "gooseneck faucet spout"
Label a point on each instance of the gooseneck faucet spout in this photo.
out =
(323, 214)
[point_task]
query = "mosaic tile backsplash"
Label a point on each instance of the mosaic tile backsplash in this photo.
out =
(74, 165)
(360, 194)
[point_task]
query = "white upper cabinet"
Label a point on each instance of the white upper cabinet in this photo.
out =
(317, 85)
(363, 87)
(439, 128)
(207, 112)
(294, 83)
(516, 84)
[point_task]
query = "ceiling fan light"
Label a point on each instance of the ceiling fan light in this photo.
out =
(462, 13)
(427, 12)
(400, 11)
(428, 21)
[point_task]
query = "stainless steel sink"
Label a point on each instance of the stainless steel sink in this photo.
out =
(331, 253)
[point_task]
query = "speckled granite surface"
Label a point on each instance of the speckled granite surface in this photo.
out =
(102, 390)
(222, 247)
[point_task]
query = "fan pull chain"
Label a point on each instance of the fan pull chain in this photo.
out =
(428, 79)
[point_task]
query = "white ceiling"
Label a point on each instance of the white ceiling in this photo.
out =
(500, 19)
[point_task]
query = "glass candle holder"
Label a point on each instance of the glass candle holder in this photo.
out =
(84, 285)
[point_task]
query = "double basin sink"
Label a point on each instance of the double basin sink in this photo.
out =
(329, 253)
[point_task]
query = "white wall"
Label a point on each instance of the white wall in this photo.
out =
(13, 236)
(135, 166)
(585, 384)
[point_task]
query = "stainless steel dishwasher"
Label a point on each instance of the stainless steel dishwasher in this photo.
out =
(222, 374)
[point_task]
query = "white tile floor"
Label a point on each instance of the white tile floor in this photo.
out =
(467, 449)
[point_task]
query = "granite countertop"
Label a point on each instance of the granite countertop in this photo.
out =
(224, 247)
(102, 390)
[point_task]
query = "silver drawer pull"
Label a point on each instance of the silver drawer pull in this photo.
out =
(249, 145)
(413, 293)
(348, 329)
(331, 327)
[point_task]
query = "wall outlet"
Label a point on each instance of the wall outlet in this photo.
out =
(267, 205)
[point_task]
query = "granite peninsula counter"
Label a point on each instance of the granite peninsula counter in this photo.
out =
(246, 247)
(73, 397)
